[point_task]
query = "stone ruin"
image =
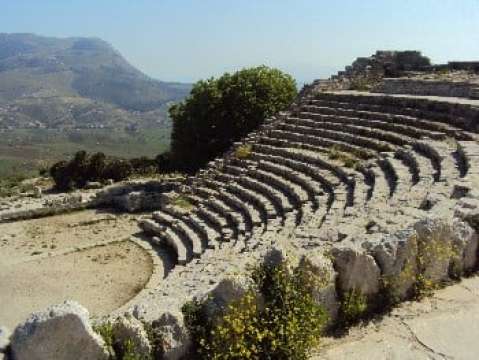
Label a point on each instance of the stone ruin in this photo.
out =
(361, 184)
(407, 72)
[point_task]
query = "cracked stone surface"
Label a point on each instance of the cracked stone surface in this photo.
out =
(444, 326)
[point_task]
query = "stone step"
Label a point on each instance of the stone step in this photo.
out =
(188, 233)
(403, 177)
(445, 154)
(442, 112)
(288, 159)
(290, 189)
(306, 133)
(251, 212)
(251, 195)
(234, 217)
(212, 237)
(277, 142)
(169, 236)
(212, 217)
(355, 129)
(315, 113)
(309, 162)
(381, 191)
(314, 143)
(343, 109)
(276, 197)
(309, 187)
(474, 93)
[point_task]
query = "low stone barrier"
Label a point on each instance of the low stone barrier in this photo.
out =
(390, 268)
(425, 87)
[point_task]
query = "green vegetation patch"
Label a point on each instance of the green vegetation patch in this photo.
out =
(276, 318)
(221, 111)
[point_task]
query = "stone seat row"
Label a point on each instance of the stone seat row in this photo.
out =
(289, 180)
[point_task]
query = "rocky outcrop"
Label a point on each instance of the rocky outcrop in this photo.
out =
(61, 332)
(128, 330)
(4, 340)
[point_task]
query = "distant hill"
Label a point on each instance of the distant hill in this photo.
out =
(75, 82)
(58, 96)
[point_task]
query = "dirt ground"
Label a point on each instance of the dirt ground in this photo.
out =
(84, 256)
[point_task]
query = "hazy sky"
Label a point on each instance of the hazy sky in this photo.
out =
(186, 40)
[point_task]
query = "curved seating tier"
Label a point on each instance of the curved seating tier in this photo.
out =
(339, 161)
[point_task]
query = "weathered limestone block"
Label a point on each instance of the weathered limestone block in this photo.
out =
(435, 248)
(357, 270)
(37, 192)
(431, 200)
(128, 328)
(279, 253)
(93, 185)
(467, 209)
(62, 332)
(175, 336)
(324, 293)
(4, 338)
(131, 202)
(460, 189)
(465, 245)
(396, 256)
(224, 293)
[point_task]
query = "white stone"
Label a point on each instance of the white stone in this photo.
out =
(4, 338)
(396, 256)
(434, 239)
(465, 243)
(62, 332)
(174, 334)
(325, 294)
(128, 328)
(357, 270)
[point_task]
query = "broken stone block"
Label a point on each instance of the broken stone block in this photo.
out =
(465, 245)
(4, 338)
(127, 328)
(396, 256)
(61, 332)
(176, 340)
(435, 250)
(324, 292)
(357, 270)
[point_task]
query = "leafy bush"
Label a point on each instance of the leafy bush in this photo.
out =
(144, 165)
(118, 170)
(83, 168)
(221, 111)
(353, 307)
(182, 202)
(277, 318)
(243, 151)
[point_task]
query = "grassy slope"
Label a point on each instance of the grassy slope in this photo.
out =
(25, 151)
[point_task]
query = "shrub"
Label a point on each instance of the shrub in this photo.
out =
(118, 170)
(83, 168)
(243, 151)
(283, 322)
(182, 202)
(221, 111)
(144, 165)
(353, 307)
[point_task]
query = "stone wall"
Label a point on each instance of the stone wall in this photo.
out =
(424, 87)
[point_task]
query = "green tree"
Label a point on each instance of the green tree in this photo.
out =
(221, 111)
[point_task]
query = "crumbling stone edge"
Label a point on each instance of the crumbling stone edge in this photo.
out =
(432, 251)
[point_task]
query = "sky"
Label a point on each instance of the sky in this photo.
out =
(189, 40)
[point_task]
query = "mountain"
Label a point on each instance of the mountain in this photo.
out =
(76, 83)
